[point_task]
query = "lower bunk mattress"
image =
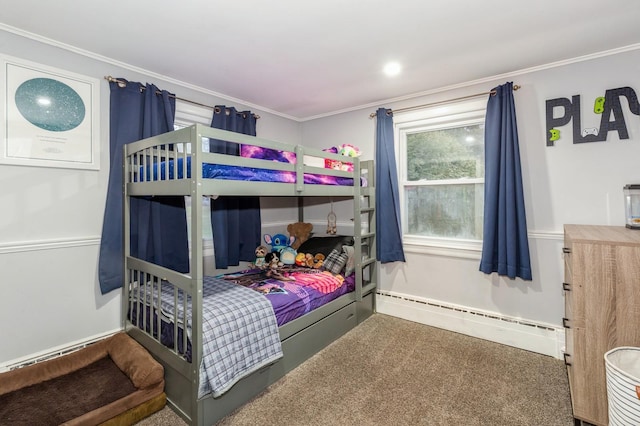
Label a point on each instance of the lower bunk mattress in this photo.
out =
(297, 292)
(240, 319)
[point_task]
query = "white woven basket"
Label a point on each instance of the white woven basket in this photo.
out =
(623, 385)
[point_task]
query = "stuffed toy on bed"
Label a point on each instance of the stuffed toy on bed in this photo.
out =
(281, 245)
(300, 232)
(261, 252)
(346, 150)
(310, 260)
(274, 267)
(288, 255)
(278, 242)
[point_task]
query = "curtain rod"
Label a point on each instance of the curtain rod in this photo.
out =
(491, 92)
(123, 83)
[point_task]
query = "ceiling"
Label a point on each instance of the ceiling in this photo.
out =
(303, 59)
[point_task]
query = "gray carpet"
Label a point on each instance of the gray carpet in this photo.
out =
(389, 371)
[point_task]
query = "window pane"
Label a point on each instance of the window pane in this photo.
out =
(448, 211)
(446, 153)
(207, 233)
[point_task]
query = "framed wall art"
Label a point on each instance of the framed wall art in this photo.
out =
(51, 117)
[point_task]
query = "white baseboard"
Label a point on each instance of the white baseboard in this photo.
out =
(524, 334)
(53, 352)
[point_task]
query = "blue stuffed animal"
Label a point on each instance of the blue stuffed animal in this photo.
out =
(281, 244)
(278, 241)
(288, 255)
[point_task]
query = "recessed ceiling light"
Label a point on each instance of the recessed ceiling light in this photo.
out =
(392, 69)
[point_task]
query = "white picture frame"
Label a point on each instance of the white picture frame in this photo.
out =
(51, 117)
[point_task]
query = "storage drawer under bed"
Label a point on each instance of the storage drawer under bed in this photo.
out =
(307, 342)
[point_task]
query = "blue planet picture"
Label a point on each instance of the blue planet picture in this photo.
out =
(50, 104)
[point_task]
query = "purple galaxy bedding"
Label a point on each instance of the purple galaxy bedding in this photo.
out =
(166, 170)
(299, 291)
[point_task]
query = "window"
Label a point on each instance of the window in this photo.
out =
(186, 115)
(441, 175)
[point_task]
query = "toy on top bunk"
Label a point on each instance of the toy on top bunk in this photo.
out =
(345, 149)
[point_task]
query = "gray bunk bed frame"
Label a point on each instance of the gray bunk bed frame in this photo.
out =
(302, 337)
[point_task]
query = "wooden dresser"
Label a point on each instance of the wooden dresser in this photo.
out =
(602, 309)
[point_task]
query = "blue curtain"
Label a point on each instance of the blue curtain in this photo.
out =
(235, 221)
(388, 227)
(138, 111)
(505, 247)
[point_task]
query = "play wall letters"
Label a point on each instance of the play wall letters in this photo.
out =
(608, 106)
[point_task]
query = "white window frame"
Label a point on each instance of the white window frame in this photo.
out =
(433, 118)
(186, 115)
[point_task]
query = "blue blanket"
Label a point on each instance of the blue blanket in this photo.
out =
(225, 172)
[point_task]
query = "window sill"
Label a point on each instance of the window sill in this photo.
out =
(442, 247)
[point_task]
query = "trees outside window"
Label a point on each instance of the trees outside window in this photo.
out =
(441, 168)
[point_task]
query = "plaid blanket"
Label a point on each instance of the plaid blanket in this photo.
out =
(239, 333)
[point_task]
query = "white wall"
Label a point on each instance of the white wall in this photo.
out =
(566, 183)
(51, 222)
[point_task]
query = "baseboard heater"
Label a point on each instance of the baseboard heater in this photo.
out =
(537, 337)
(51, 354)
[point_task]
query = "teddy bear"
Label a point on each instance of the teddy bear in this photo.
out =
(301, 232)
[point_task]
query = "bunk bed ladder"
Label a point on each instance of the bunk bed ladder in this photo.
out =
(364, 235)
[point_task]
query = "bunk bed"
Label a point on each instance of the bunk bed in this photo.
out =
(158, 302)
